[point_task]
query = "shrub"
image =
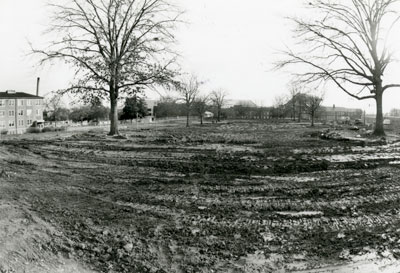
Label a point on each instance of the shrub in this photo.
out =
(48, 129)
(33, 130)
(61, 129)
(96, 130)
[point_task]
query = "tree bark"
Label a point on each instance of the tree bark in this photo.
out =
(201, 119)
(113, 114)
(379, 130)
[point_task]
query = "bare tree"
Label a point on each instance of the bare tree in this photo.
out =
(346, 44)
(312, 103)
(296, 101)
(295, 90)
(200, 105)
(188, 89)
(279, 106)
(394, 112)
(53, 103)
(218, 98)
(116, 46)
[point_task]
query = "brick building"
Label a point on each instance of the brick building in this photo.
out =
(341, 114)
(19, 110)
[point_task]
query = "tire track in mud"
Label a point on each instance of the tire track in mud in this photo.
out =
(284, 205)
(223, 212)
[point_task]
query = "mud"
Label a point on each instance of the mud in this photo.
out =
(239, 197)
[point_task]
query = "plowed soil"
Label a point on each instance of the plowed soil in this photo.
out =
(237, 197)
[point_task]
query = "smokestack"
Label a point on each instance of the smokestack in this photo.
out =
(37, 86)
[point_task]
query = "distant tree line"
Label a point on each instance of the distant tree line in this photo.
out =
(299, 106)
(247, 112)
(89, 113)
(394, 112)
(190, 101)
(171, 107)
(134, 107)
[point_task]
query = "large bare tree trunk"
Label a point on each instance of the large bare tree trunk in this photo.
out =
(379, 130)
(113, 114)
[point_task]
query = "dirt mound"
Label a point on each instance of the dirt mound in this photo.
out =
(24, 244)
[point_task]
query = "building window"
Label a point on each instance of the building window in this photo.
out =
(2, 124)
(11, 102)
(21, 102)
(29, 122)
(2, 113)
(20, 112)
(29, 102)
(29, 112)
(20, 123)
(10, 113)
(37, 112)
(2, 103)
(11, 123)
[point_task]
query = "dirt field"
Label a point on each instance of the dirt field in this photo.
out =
(237, 197)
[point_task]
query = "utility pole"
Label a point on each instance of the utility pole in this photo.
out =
(365, 113)
(334, 111)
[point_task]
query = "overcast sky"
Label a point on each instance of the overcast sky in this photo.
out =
(230, 43)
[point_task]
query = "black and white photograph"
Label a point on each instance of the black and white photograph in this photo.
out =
(199, 136)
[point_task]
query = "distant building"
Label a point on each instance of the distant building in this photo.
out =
(244, 103)
(150, 107)
(341, 114)
(208, 114)
(246, 109)
(389, 122)
(19, 110)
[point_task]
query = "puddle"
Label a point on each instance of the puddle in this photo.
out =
(300, 213)
(377, 266)
(360, 157)
(287, 178)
